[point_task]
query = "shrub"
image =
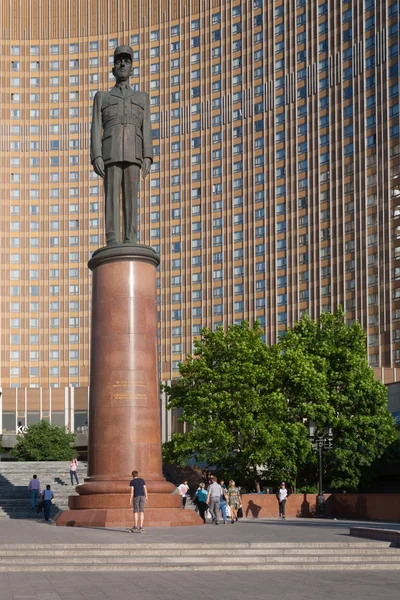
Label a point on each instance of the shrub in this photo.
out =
(44, 441)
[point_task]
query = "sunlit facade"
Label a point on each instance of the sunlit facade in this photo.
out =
(274, 191)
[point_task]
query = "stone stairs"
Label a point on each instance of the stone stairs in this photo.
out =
(14, 479)
(141, 556)
(15, 476)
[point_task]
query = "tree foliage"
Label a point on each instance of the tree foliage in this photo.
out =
(327, 379)
(236, 414)
(44, 441)
(247, 405)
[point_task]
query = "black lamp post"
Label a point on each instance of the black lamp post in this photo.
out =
(320, 440)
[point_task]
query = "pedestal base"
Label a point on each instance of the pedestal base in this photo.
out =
(113, 510)
(123, 517)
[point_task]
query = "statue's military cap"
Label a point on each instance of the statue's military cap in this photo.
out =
(123, 50)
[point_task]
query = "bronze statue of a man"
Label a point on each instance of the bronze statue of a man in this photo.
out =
(121, 144)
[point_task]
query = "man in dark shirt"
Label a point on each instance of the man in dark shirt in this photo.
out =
(137, 499)
(47, 498)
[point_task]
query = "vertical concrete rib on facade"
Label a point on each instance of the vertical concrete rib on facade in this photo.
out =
(275, 188)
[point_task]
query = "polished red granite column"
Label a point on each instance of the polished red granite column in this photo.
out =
(124, 404)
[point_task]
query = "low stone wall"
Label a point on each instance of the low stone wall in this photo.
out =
(266, 505)
(369, 507)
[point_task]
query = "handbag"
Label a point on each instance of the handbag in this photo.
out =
(240, 513)
(40, 506)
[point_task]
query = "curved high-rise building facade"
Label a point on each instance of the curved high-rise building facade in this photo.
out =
(274, 190)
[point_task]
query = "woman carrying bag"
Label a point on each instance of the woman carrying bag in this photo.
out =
(234, 500)
(201, 497)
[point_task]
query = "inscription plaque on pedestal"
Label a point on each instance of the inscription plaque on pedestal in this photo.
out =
(131, 389)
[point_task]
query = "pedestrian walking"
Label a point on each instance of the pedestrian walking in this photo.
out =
(34, 490)
(73, 471)
(201, 496)
(214, 498)
(234, 500)
(183, 490)
(282, 495)
(137, 499)
(47, 498)
(223, 501)
(206, 477)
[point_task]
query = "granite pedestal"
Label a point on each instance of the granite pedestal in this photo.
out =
(124, 403)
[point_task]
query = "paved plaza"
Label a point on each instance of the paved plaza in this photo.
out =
(246, 530)
(190, 584)
(200, 586)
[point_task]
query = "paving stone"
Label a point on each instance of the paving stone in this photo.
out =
(200, 585)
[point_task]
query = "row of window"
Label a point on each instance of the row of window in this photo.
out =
(53, 241)
(54, 161)
(54, 322)
(35, 371)
(15, 274)
(52, 354)
(53, 225)
(35, 306)
(53, 274)
(54, 209)
(35, 339)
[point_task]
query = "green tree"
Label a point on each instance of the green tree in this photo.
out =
(237, 416)
(43, 441)
(326, 379)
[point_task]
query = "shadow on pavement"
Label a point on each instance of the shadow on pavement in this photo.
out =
(322, 524)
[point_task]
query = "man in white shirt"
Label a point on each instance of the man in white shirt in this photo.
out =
(183, 490)
(282, 495)
(215, 492)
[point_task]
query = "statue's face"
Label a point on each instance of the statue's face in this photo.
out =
(122, 67)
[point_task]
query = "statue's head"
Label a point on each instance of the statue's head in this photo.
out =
(123, 58)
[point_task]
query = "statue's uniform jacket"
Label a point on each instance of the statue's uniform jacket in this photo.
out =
(121, 127)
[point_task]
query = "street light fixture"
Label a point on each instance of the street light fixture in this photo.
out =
(320, 440)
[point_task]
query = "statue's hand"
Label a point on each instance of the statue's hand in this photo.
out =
(146, 166)
(98, 166)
